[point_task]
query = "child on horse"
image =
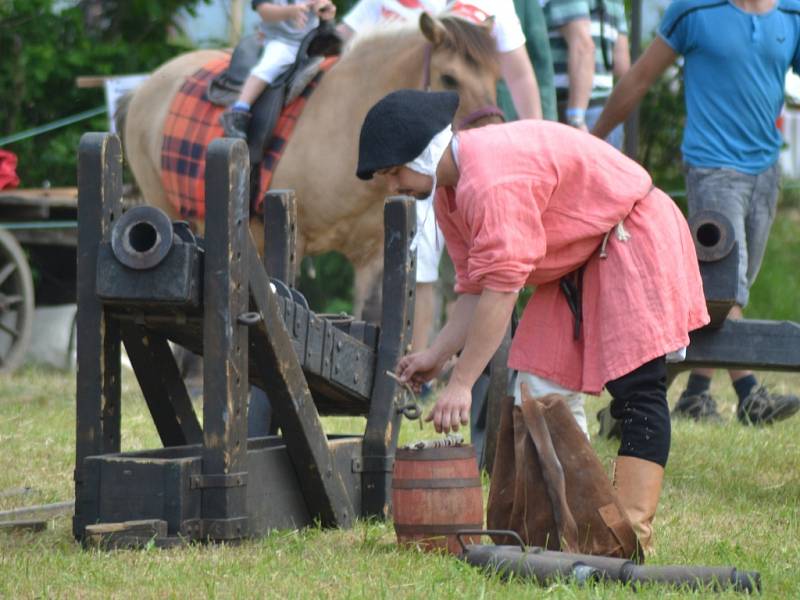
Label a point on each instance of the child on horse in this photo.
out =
(284, 24)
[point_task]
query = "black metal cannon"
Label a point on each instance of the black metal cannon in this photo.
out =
(726, 343)
(547, 566)
(143, 282)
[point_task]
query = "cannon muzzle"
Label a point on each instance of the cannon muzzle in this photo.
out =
(142, 237)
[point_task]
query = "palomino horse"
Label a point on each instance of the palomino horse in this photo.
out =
(336, 211)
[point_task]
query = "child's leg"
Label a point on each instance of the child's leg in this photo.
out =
(276, 58)
(251, 90)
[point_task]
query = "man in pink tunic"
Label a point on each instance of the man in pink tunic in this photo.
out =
(538, 203)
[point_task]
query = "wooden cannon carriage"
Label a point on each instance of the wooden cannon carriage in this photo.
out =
(143, 281)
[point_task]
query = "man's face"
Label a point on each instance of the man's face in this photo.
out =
(407, 182)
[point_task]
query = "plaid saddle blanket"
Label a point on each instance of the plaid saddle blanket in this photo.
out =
(193, 122)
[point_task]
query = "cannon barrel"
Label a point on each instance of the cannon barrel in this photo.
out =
(713, 235)
(149, 260)
(142, 237)
(546, 566)
(542, 568)
(717, 251)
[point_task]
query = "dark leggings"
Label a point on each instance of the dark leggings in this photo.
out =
(639, 402)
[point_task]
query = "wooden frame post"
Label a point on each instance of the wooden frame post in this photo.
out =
(397, 320)
(98, 336)
(280, 235)
(225, 376)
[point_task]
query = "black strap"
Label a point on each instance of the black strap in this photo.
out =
(572, 287)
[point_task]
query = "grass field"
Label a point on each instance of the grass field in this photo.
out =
(732, 496)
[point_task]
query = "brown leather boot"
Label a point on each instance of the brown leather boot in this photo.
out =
(638, 484)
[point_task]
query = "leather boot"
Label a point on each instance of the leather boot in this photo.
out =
(638, 484)
(235, 123)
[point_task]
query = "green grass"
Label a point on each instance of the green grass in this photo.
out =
(731, 497)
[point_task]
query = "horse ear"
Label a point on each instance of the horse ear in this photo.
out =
(488, 24)
(432, 29)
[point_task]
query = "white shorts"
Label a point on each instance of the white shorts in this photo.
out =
(429, 243)
(539, 386)
(277, 56)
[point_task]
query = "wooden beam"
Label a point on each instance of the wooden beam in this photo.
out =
(98, 335)
(162, 386)
(225, 371)
(397, 319)
(274, 357)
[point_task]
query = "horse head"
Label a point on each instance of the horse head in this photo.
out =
(462, 57)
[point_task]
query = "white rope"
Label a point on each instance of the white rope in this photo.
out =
(622, 236)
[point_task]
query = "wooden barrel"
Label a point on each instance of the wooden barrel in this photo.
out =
(435, 493)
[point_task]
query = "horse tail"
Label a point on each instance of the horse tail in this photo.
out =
(121, 113)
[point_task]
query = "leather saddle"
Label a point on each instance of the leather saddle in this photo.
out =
(224, 89)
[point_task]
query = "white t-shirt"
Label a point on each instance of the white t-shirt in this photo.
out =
(507, 29)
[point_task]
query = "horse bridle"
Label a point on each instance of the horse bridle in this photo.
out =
(476, 115)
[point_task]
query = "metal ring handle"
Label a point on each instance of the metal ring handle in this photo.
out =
(410, 411)
(507, 532)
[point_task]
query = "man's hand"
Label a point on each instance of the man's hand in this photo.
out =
(452, 408)
(420, 367)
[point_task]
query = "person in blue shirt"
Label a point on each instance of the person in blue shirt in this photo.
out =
(736, 55)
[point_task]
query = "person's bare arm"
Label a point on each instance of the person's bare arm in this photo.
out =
(516, 68)
(486, 330)
(580, 63)
(634, 85)
(272, 13)
(622, 56)
(423, 366)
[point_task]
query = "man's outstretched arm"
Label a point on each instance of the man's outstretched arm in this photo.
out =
(634, 85)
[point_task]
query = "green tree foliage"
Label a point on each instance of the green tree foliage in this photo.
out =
(46, 44)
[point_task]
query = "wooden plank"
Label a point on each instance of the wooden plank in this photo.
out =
(162, 386)
(17, 491)
(397, 316)
(98, 336)
(91, 81)
(62, 197)
(225, 369)
(39, 511)
(280, 235)
(279, 368)
(33, 526)
(128, 534)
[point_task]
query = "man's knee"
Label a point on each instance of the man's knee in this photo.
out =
(639, 401)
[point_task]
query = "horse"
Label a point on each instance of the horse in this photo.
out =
(335, 210)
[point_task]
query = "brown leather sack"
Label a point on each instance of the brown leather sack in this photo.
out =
(549, 486)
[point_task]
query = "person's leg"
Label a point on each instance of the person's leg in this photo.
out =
(757, 405)
(275, 59)
(727, 192)
(639, 402)
(539, 386)
(251, 90)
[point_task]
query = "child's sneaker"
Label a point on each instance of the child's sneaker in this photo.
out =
(235, 123)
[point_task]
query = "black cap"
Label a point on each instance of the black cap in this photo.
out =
(400, 126)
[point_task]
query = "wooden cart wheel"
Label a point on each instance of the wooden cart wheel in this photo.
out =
(16, 303)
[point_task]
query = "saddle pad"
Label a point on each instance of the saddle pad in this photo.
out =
(193, 122)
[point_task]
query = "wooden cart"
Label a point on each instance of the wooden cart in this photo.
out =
(38, 240)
